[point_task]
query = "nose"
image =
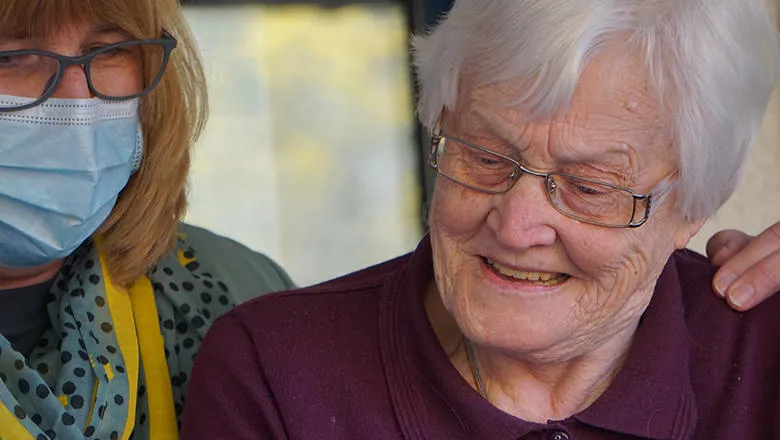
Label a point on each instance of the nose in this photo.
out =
(523, 217)
(73, 84)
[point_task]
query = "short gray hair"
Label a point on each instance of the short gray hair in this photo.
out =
(717, 58)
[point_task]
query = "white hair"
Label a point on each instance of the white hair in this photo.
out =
(718, 59)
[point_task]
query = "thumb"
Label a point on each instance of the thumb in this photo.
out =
(725, 244)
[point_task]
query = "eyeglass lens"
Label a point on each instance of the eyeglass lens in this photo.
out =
(120, 72)
(571, 195)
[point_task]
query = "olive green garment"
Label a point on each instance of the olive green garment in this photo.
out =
(252, 273)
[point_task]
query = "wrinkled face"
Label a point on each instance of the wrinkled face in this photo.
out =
(521, 277)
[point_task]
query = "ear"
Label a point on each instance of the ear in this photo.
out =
(686, 231)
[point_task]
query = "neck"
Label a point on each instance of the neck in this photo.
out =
(545, 391)
(16, 278)
(538, 386)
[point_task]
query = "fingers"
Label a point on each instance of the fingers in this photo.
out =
(752, 272)
(725, 244)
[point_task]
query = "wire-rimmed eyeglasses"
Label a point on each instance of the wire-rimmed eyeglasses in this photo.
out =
(115, 72)
(583, 199)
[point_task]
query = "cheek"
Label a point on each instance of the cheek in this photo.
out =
(620, 270)
(457, 211)
(456, 218)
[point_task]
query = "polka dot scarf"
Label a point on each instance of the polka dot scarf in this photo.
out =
(116, 362)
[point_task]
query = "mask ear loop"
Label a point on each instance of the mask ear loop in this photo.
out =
(138, 154)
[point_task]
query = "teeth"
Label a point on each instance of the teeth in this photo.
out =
(547, 278)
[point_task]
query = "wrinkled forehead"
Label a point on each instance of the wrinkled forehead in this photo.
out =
(613, 115)
(613, 88)
(44, 18)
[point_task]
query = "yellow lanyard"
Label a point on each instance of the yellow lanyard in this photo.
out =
(135, 321)
(137, 328)
(162, 415)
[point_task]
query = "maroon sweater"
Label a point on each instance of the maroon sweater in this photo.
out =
(356, 358)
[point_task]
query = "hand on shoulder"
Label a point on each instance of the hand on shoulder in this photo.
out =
(749, 267)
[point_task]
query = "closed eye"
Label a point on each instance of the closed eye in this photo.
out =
(17, 61)
(588, 190)
(490, 161)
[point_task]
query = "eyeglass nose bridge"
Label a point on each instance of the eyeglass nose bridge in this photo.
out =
(550, 186)
(518, 172)
(64, 62)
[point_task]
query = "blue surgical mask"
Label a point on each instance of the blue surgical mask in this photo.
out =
(62, 167)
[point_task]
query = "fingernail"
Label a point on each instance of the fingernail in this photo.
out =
(722, 284)
(742, 295)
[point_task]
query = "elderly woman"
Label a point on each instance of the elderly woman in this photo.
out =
(100, 102)
(579, 144)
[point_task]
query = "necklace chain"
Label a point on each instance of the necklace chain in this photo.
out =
(474, 368)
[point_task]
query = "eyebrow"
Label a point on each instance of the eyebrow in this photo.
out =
(18, 34)
(106, 28)
(499, 129)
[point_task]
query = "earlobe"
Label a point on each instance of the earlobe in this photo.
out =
(686, 232)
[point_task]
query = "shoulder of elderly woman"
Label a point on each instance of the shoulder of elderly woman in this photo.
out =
(705, 314)
(734, 356)
(695, 273)
(315, 347)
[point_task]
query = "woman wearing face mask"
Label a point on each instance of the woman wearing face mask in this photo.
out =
(104, 296)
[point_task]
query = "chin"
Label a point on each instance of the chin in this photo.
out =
(516, 320)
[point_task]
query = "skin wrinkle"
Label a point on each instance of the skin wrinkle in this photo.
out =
(627, 314)
(624, 151)
(620, 162)
(548, 354)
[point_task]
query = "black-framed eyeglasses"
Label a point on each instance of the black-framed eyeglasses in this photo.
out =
(115, 72)
(583, 199)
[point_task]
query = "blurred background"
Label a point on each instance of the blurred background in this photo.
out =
(312, 154)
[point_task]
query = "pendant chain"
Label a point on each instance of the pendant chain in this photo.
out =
(475, 368)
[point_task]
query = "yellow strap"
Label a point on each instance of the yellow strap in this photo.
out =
(10, 427)
(121, 309)
(162, 416)
(134, 314)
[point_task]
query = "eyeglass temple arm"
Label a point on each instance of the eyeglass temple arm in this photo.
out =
(648, 199)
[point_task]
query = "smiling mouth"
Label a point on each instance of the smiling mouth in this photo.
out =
(541, 278)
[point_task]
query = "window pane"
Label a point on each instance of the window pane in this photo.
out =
(308, 156)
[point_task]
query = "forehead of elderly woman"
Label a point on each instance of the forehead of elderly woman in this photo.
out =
(614, 125)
